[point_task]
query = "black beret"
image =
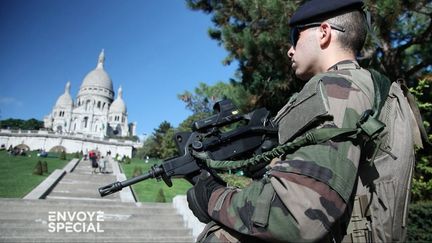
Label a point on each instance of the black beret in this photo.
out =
(316, 9)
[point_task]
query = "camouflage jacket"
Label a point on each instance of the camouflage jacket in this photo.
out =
(303, 195)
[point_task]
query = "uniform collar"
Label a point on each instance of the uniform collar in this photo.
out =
(345, 64)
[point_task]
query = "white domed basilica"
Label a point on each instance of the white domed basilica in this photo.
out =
(95, 111)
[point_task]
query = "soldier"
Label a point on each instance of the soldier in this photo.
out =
(306, 195)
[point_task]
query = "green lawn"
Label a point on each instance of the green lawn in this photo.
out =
(147, 191)
(16, 172)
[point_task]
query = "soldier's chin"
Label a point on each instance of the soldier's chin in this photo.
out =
(301, 75)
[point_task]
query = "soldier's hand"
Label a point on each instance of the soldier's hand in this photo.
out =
(199, 195)
(257, 171)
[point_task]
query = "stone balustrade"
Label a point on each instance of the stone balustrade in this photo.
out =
(46, 140)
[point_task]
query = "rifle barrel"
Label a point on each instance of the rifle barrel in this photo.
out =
(155, 172)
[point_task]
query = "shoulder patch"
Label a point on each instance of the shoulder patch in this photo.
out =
(337, 87)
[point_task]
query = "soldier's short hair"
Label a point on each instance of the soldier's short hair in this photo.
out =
(354, 36)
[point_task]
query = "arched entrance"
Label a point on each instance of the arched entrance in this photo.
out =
(24, 147)
(57, 149)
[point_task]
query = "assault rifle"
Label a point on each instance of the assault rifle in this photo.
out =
(257, 136)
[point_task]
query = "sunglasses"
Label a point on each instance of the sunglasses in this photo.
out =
(295, 31)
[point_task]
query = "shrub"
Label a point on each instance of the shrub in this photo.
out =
(62, 155)
(420, 222)
(38, 168)
(126, 160)
(44, 167)
(160, 197)
(137, 171)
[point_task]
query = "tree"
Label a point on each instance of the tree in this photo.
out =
(159, 134)
(256, 34)
(154, 145)
(12, 123)
(31, 124)
(149, 148)
(186, 125)
(404, 31)
(168, 146)
(422, 185)
(205, 96)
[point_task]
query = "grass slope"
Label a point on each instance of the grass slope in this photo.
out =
(16, 172)
(148, 190)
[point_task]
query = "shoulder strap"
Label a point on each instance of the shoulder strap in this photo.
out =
(382, 87)
(425, 142)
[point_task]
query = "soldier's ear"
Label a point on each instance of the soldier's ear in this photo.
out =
(325, 34)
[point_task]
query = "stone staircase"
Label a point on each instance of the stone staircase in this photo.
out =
(82, 183)
(73, 211)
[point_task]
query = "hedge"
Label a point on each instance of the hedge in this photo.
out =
(420, 222)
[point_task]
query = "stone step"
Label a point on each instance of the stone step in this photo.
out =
(74, 188)
(87, 165)
(89, 171)
(77, 194)
(43, 215)
(38, 210)
(94, 230)
(91, 178)
(5, 202)
(84, 167)
(94, 181)
(108, 214)
(112, 232)
(98, 199)
(83, 181)
(97, 238)
(130, 223)
(139, 210)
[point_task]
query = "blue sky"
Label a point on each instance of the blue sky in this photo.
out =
(154, 49)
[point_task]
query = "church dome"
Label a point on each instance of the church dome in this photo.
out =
(118, 106)
(65, 100)
(98, 78)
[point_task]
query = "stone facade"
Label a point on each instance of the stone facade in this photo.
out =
(44, 140)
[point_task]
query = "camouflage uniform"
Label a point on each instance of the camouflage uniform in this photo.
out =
(303, 195)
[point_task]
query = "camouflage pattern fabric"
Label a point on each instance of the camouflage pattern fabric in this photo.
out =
(304, 194)
(214, 232)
